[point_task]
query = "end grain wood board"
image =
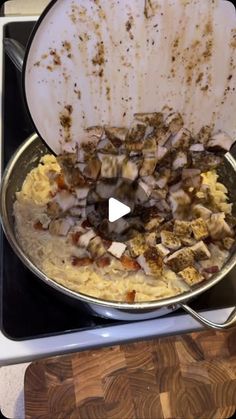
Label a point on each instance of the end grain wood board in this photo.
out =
(189, 376)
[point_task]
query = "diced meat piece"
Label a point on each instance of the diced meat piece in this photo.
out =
(218, 227)
(143, 192)
(200, 251)
(174, 122)
(53, 209)
(161, 152)
(163, 179)
(153, 224)
(162, 135)
(150, 238)
(116, 135)
(137, 245)
(181, 259)
(86, 238)
(155, 119)
(158, 194)
(136, 132)
(205, 161)
(228, 243)
(130, 296)
(79, 262)
(130, 170)
(182, 228)
(148, 166)
(198, 147)
(133, 146)
(109, 168)
(204, 135)
(105, 146)
(96, 248)
(92, 169)
(170, 240)
(162, 250)
(191, 275)
(180, 160)
(218, 257)
(181, 139)
(72, 174)
(200, 230)
(180, 203)
(65, 200)
(129, 264)
(201, 211)
(221, 140)
(151, 262)
(149, 146)
(187, 241)
(82, 192)
(117, 249)
(103, 262)
(60, 227)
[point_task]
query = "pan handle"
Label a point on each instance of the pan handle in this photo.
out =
(230, 322)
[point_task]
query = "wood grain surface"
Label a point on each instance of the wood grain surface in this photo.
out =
(189, 376)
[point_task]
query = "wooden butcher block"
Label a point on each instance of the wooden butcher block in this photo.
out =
(189, 376)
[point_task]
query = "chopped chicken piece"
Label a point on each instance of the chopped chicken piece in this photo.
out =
(153, 224)
(163, 179)
(199, 227)
(143, 192)
(96, 248)
(129, 263)
(187, 241)
(200, 251)
(72, 174)
(130, 170)
(182, 228)
(191, 275)
(86, 238)
(204, 135)
(109, 168)
(180, 203)
(148, 167)
(162, 250)
(205, 161)
(65, 200)
(116, 135)
(133, 146)
(60, 227)
(82, 192)
(174, 122)
(53, 209)
(137, 245)
(105, 146)
(149, 146)
(180, 160)
(136, 132)
(181, 259)
(130, 296)
(228, 243)
(92, 169)
(117, 249)
(220, 140)
(151, 262)
(170, 240)
(155, 119)
(161, 152)
(181, 139)
(218, 227)
(162, 135)
(201, 211)
(198, 147)
(150, 238)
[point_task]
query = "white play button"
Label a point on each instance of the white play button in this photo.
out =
(117, 210)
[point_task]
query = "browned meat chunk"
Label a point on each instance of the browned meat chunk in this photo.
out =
(182, 228)
(228, 243)
(174, 122)
(92, 169)
(180, 160)
(148, 167)
(191, 276)
(200, 251)
(199, 227)
(181, 259)
(204, 135)
(218, 227)
(116, 135)
(136, 132)
(154, 119)
(151, 262)
(129, 264)
(137, 245)
(96, 248)
(170, 240)
(181, 139)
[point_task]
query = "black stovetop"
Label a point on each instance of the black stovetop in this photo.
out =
(30, 308)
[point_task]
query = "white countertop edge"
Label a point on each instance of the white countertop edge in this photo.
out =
(13, 352)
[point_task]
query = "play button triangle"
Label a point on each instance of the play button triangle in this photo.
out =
(117, 210)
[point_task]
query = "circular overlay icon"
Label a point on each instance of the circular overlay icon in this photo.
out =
(115, 208)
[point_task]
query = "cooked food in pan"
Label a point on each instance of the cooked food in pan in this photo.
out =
(180, 230)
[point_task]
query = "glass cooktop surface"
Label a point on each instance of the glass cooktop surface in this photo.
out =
(30, 308)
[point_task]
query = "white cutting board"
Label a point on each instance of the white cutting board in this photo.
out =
(114, 58)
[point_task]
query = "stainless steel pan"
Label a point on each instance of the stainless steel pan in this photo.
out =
(27, 157)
